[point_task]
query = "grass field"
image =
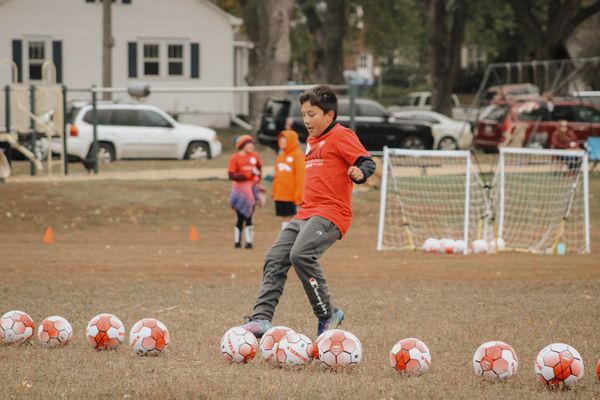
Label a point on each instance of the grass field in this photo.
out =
(122, 247)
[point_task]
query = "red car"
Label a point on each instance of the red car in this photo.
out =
(532, 123)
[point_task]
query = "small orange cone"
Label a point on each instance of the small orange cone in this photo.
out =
(49, 236)
(193, 234)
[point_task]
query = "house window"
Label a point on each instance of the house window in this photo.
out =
(151, 60)
(175, 61)
(37, 55)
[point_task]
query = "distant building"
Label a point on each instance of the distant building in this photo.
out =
(175, 43)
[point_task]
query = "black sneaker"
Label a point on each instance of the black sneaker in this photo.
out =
(249, 246)
(237, 246)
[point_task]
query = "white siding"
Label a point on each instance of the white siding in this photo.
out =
(79, 26)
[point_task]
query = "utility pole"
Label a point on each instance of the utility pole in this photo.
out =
(107, 45)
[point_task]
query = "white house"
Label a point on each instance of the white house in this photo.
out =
(174, 43)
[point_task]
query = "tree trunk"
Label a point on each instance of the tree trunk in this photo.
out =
(445, 35)
(327, 24)
(268, 26)
(107, 45)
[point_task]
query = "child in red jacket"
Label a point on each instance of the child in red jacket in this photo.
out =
(245, 169)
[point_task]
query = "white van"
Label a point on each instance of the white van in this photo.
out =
(136, 131)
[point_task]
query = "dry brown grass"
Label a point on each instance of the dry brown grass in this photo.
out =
(122, 248)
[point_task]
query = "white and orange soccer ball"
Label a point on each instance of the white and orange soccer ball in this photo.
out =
(270, 340)
(55, 331)
(459, 247)
(15, 327)
(431, 245)
(447, 246)
(496, 245)
(338, 349)
(105, 332)
(149, 337)
(294, 349)
(480, 246)
(559, 365)
(495, 360)
(238, 345)
(410, 356)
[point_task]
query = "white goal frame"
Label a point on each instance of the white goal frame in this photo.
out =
(503, 151)
(427, 153)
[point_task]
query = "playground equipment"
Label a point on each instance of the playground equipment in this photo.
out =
(32, 113)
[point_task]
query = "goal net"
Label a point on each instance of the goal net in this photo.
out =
(542, 200)
(428, 194)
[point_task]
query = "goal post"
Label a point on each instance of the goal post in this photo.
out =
(428, 193)
(543, 200)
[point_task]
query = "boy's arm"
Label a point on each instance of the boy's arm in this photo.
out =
(366, 165)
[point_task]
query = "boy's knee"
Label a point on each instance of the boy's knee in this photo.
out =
(298, 257)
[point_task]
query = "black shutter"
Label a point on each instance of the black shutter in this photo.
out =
(195, 60)
(57, 59)
(17, 55)
(132, 57)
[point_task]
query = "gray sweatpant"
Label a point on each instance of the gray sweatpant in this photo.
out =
(300, 244)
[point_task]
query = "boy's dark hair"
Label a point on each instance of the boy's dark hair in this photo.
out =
(323, 97)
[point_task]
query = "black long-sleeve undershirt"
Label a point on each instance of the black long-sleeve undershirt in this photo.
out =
(367, 166)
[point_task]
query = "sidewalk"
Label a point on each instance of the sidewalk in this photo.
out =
(151, 175)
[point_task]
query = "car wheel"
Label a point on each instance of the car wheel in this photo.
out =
(197, 151)
(106, 153)
(413, 142)
(447, 143)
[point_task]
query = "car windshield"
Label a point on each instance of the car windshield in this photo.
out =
(496, 113)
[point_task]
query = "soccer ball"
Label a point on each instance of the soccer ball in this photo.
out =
(496, 245)
(480, 246)
(495, 360)
(105, 332)
(431, 245)
(149, 337)
(410, 356)
(55, 331)
(238, 345)
(15, 326)
(294, 349)
(270, 340)
(557, 364)
(338, 348)
(447, 246)
(459, 246)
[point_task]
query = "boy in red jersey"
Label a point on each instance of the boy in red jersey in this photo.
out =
(245, 169)
(335, 159)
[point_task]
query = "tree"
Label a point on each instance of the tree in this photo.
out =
(326, 21)
(268, 26)
(549, 23)
(445, 21)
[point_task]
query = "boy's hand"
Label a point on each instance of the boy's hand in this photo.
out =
(355, 173)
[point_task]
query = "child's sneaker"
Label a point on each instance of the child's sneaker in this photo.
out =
(330, 323)
(257, 327)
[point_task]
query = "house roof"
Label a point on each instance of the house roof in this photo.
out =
(233, 20)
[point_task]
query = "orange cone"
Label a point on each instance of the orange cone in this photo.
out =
(193, 234)
(49, 236)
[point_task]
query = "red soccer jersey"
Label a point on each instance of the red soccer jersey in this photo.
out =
(328, 188)
(244, 163)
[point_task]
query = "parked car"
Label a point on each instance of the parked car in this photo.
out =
(375, 126)
(514, 92)
(537, 124)
(588, 96)
(136, 131)
(422, 101)
(448, 133)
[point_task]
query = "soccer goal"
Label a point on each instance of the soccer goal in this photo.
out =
(428, 194)
(542, 200)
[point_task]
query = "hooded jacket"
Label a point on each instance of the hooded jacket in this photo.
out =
(288, 182)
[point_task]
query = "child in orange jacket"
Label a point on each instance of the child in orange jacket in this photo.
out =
(288, 181)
